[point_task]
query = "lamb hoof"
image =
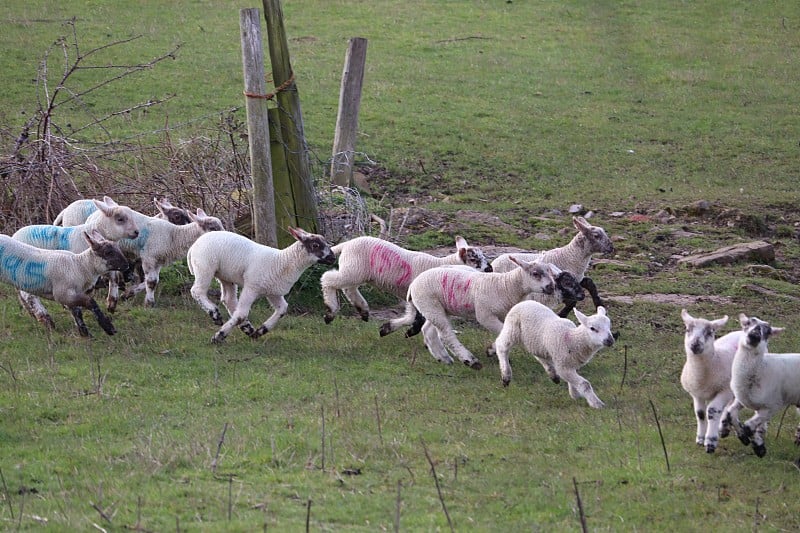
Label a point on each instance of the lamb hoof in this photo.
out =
(710, 448)
(760, 450)
(329, 318)
(555, 379)
(744, 439)
(216, 317)
(506, 382)
(474, 365)
(218, 338)
(386, 328)
(365, 316)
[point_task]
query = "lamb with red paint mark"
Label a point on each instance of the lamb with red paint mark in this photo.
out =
(392, 268)
(442, 292)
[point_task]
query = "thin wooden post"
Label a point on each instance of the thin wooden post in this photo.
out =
(284, 198)
(291, 118)
(344, 140)
(257, 127)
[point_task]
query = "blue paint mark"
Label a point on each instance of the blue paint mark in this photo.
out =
(50, 237)
(139, 242)
(24, 274)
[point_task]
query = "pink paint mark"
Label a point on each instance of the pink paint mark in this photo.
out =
(455, 289)
(387, 264)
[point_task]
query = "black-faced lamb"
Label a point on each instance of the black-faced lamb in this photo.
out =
(574, 258)
(369, 260)
(557, 343)
(235, 260)
(706, 374)
(62, 276)
(441, 292)
(761, 381)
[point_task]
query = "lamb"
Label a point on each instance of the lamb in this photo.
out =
(160, 243)
(487, 297)
(387, 266)
(573, 258)
(706, 375)
(79, 211)
(62, 276)
(765, 383)
(112, 221)
(235, 260)
(557, 343)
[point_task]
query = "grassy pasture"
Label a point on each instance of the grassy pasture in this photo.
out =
(507, 109)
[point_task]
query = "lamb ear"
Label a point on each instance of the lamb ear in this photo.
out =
(580, 223)
(601, 310)
(461, 243)
(201, 213)
(776, 331)
(580, 316)
(743, 320)
(686, 316)
(718, 323)
(102, 206)
(93, 238)
(297, 233)
(109, 201)
(516, 261)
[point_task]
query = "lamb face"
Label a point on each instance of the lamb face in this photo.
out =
(700, 333)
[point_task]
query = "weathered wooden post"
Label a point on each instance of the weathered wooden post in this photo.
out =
(344, 140)
(258, 127)
(291, 118)
(284, 197)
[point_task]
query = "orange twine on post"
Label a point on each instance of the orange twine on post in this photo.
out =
(283, 86)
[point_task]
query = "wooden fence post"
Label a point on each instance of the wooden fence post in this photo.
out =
(257, 127)
(344, 140)
(284, 197)
(291, 118)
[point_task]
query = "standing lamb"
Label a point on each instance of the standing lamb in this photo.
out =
(235, 260)
(451, 291)
(386, 266)
(765, 383)
(574, 258)
(60, 275)
(560, 346)
(706, 375)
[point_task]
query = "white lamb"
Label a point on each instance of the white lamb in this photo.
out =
(112, 221)
(445, 291)
(706, 375)
(386, 266)
(574, 258)
(560, 346)
(235, 260)
(761, 381)
(62, 276)
(79, 211)
(160, 243)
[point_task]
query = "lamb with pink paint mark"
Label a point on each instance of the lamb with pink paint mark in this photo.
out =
(387, 266)
(442, 292)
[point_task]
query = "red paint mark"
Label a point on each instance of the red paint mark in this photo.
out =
(387, 264)
(455, 289)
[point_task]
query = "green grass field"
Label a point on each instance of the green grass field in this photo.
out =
(472, 110)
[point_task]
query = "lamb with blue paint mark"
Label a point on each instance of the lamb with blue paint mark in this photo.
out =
(441, 292)
(761, 381)
(574, 258)
(706, 374)
(234, 260)
(62, 276)
(383, 264)
(160, 243)
(112, 221)
(557, 343)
